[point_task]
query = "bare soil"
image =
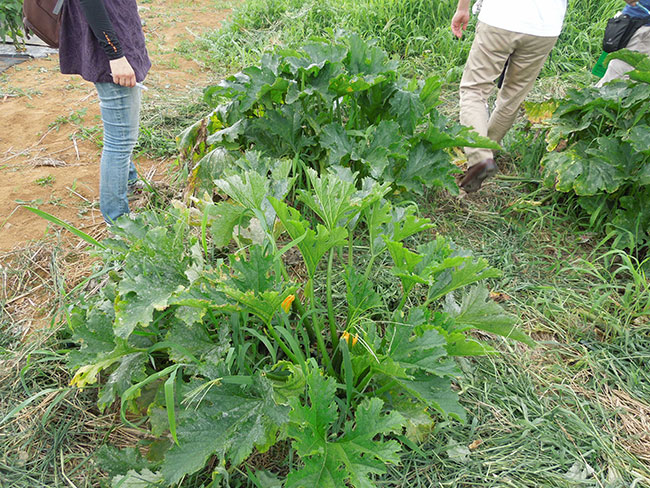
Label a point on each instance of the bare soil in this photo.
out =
(50, 125)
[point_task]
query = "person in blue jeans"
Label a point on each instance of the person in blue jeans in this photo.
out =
(102, 40)
(640, 41)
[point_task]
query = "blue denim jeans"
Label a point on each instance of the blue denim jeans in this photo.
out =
(120, 107)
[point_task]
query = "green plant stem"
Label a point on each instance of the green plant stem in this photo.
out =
(364, 380)
(259, 215)
(204, 241)
(309, 294)
(309, 325)
(403, 301)
(281, 343)
(369, 268)
(350, 251)
(330, 302)
(391, 384)
(339, 116)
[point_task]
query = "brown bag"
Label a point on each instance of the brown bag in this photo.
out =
(43, 18)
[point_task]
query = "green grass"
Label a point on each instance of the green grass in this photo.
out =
(407, 28)
(540, 413)
(45, 180)
(163, 118)
(533, 427)
(48, 431)
(417, 31)
(75, 117)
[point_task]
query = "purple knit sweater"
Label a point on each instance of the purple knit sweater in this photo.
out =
(80, 53)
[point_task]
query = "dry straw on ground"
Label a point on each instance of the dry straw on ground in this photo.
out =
(631, 422)
(35, 278)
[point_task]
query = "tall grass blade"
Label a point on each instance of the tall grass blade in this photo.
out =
(170, 404)
(26, 403)
(71, 228)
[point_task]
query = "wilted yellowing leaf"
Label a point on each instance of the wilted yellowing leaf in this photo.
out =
(540, 112)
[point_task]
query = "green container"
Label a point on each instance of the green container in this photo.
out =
(600, 68)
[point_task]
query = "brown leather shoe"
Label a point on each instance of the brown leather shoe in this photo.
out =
(474, 176)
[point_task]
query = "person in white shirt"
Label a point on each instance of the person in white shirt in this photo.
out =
(519, 32)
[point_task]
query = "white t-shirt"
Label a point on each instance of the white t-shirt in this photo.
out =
(542, 18)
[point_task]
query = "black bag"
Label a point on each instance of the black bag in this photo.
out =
(620, 30)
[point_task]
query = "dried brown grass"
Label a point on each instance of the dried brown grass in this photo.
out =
(34, 280)
(631, 421)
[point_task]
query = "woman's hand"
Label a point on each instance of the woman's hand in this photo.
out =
(122, 72)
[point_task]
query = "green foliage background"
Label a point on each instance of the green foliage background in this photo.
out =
(332, 103)
(415, 30)
(11, 20)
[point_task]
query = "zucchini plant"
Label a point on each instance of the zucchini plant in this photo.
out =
(328, 328)
(599, 154)
(330, 104)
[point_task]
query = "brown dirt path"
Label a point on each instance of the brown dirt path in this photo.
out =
(50, 125)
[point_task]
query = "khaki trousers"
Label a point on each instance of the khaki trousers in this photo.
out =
(616, 68)
(491, 49)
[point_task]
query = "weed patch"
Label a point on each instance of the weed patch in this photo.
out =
(162, 119)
